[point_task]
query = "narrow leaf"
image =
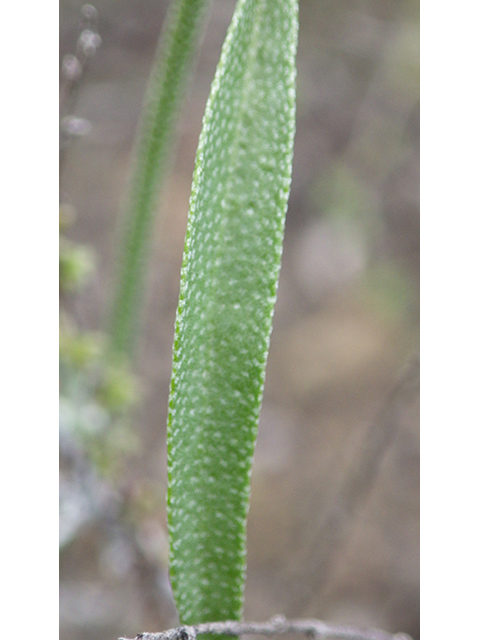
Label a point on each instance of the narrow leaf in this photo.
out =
(228, 289)
(164, 94)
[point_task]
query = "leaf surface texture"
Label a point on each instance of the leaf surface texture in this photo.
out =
(228, 288)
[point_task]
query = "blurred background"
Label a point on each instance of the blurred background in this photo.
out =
(333, 529)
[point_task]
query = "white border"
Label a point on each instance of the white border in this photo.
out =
(450, 319)
(29, 318)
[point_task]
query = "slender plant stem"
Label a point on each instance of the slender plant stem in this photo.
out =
(276, 626)
(165, 91)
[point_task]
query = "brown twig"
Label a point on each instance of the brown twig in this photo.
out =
(278, 625)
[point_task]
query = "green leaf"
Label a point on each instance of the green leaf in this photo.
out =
(163, 99)
(228, 289)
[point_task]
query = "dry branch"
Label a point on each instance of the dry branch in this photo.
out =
(278, 625)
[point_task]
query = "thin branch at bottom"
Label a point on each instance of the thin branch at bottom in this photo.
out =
(315, 629)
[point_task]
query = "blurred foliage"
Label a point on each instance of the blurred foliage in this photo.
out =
(98, 395)
(95, 394)
(76, 265)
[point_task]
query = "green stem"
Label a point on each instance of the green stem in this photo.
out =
(161, 109)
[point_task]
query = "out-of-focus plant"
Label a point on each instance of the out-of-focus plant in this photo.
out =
(97, 388)
(94, 398)
(95, 435)
(161, 110)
